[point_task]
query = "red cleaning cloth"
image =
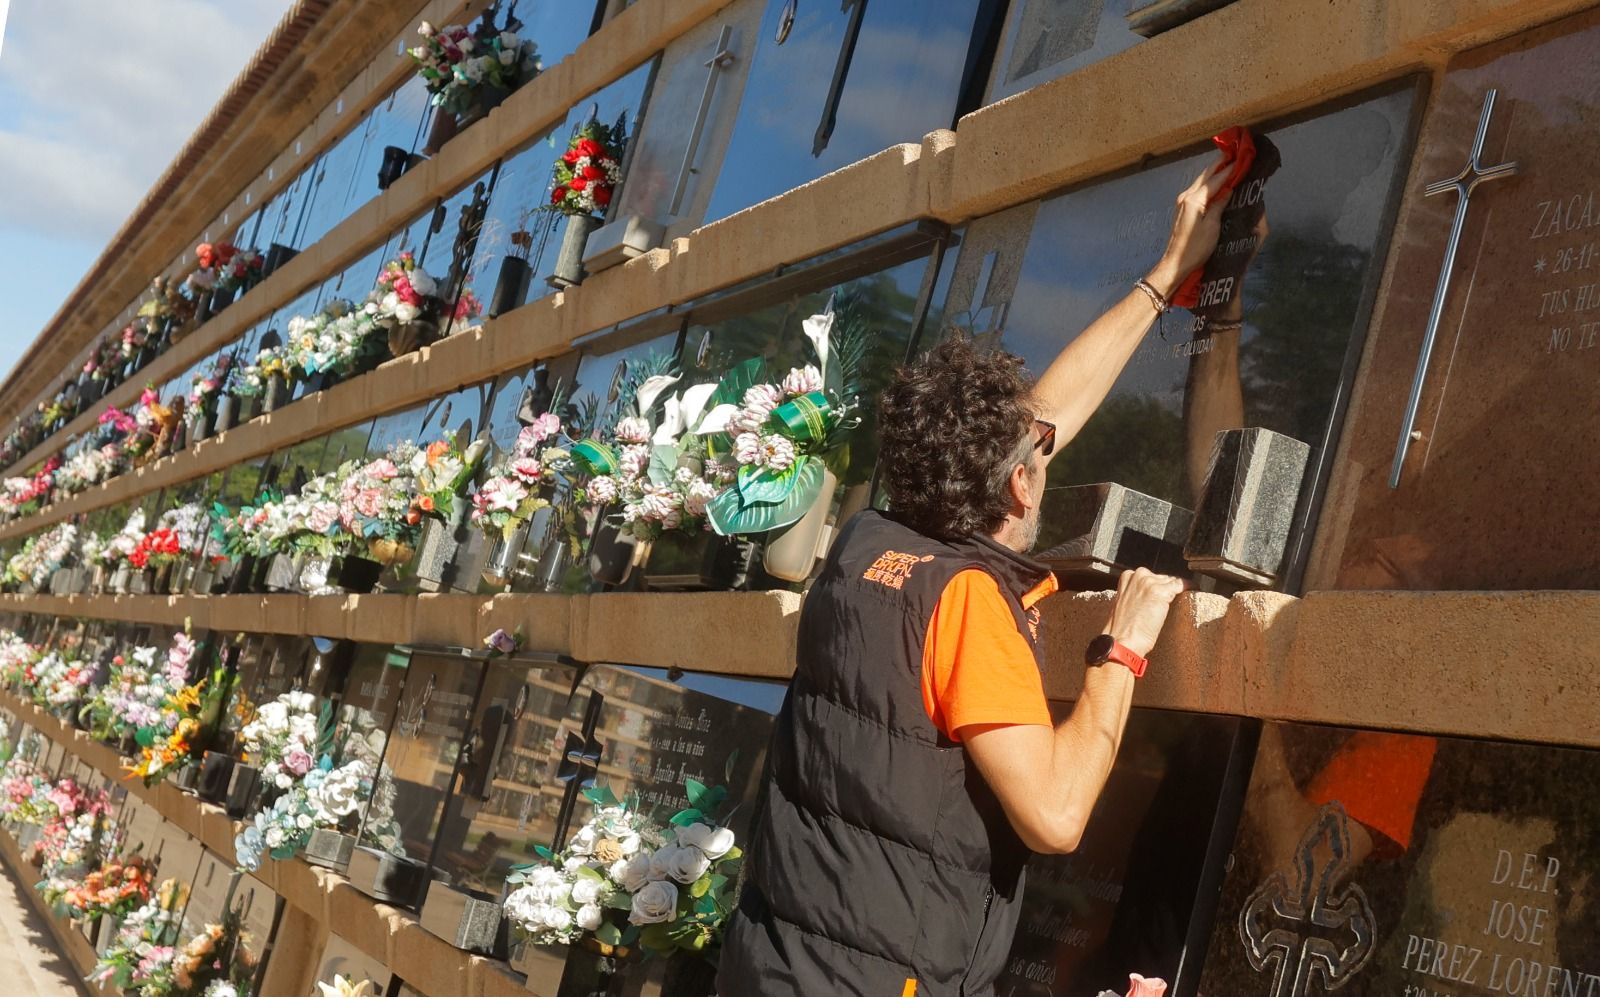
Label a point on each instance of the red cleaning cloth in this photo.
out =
(1238, 154)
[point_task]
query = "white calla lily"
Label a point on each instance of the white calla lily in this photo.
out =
(817, 328)
(716, 420)
(651, 389)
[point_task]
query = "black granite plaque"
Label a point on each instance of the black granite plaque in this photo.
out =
(1376, 863)
(1138, 894)
(505, 802)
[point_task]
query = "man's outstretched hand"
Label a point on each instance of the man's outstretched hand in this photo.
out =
(1140, 609)
(1196, 224)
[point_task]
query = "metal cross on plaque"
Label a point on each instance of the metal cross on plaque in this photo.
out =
(1463, 183)
(841, 70)
(720, 60)
(1309, 932)
(578, 766)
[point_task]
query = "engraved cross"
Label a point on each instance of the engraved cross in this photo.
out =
(1312, 931)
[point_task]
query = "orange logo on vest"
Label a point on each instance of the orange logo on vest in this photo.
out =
(893, 569)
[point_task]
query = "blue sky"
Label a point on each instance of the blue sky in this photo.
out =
(88, 121)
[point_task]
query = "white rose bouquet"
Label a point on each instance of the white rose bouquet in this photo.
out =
(673, 882)
(286, 737)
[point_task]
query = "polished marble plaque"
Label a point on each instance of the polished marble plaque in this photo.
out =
(1375, 863)
(1496, 488)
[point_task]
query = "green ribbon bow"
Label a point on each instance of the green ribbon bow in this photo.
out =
(805, 418)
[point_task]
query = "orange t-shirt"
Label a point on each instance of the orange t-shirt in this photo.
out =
(976, 667)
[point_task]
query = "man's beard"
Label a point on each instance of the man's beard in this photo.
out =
(1028, 535)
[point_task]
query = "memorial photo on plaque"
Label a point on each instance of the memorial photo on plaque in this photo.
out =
(1272, 346)
(1371, 863)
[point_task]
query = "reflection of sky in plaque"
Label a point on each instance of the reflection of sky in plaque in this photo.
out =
(282, 216)
(523, 188)
(439, 418)
(397, 121)
(355, 281)
(557, 29)
(903, 82)
(332, 178)
(506, 803)
(1045, 39)
(1301, 296)
(598, 372)
(432, 719)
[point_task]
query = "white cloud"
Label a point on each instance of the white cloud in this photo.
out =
(92, 122)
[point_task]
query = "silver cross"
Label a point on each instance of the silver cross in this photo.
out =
(719, 61)
(1463, 183)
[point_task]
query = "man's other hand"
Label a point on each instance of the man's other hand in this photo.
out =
(1140, 609)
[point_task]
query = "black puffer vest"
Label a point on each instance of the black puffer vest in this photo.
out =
(881, 855)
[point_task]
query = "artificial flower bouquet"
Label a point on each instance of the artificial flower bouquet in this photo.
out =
(61, 681)
(205, 386)
(187, 717)
(337, 341)
(87, 468)
(41, 554)
(240, 271)
(519, 484)
(143, 949)
(785, 435)
(587, 174)
(645, 464)
(116, 889)
(76, 835)
(626, 879)
(213, 963)
(255, 378)
(457, 63)
(136, 688)
(166, 310)
(406, 304)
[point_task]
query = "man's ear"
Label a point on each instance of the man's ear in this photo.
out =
(1022, 498)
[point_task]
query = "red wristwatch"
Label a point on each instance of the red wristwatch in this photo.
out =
(1105, 648)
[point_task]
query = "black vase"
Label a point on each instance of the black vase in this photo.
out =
(700, 561)
(274, 394)
(511, 287)
(216, 771)
(221, 299)
(357, 574)
(395, 163)
(277, 255)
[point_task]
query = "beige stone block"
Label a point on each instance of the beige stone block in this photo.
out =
(361, 921)
(304, 886)
(296, 952)
(1505, 665)
(883, 191)
(281, 614)
(378, 619)
(178, 808)
(492, 978)
(328, 615)
(427, 962)
(448, 620)
(537, 330)
(738, 633)
(544, 620)
(217, 830)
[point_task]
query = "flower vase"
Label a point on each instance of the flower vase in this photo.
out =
(435, 568)
(282, 573)
(697, 561)
(202, 308)
(594, 970)
(441, 131)
(142, 582)
(554, 565)
(511, 287)
(390, 553)
(501, 567)
(216, 771)
(329, 849)
(227, 408)
(182, 578)
(792, 553)
(187, 777)
(408, 337)
(357, 574)
(274, 393)
(161, 583)
(396, 160)
(120, 577)
(393, 879)
(199, 427)
(277, 255)
(221, 298)
(569, 262)
(612, 554)
(97, 579)
(467, 919)
(244, 786)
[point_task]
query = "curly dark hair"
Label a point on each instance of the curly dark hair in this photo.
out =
(951, 422)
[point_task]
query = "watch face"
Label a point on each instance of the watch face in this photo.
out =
(1100, 649)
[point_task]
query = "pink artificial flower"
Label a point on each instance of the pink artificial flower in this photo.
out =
(527, 470)
(369, 502)
(1138, 986)
(322, 516)
(149, 397)
(297, 761)
(383, 469)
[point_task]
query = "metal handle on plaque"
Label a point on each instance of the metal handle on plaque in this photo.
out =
(1463, 184)
(718, 62)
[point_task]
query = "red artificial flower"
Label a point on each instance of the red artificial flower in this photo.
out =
(589, 147)
(602, 195)
(205, 254)
(578, 183)
(558, 195)
(593, 173)
(571, 156)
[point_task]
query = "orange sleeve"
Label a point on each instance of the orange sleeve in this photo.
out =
(1379, 778)
(976, 667)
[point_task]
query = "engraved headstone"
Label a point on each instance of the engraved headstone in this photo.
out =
(1494, 489)
(1379, 863)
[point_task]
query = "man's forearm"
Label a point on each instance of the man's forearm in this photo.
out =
(1080, 377)
(1086, 742)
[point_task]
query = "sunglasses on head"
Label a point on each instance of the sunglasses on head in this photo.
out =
(1046, 443)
